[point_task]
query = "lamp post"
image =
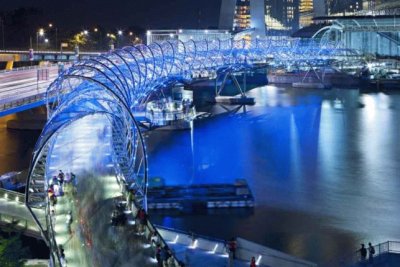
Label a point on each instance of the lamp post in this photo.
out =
(118, 37)
(56, 35)
(40, 32)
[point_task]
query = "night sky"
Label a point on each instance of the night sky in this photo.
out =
(122, 13)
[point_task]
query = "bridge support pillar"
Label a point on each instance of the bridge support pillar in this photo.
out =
(230, 75)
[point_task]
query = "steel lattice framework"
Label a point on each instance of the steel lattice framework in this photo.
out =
(114, 84)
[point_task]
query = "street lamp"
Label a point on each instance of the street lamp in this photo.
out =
(95, 29)
(85, 32)
(119, 32)
(40, 33)
(56, 34)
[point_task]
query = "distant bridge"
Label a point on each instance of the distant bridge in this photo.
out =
(44, 55)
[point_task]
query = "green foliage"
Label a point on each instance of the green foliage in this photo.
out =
(79, 39)
(12, 253)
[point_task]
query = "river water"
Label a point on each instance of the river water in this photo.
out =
(324, 168)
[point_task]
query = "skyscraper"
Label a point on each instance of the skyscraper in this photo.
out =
(306, 9)
(262, 16)
(281, 16)
(241, 15)
(342, 6)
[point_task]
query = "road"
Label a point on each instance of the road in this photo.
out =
(18, 88)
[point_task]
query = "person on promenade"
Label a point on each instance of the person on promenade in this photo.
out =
(253, 262)
(61, 177)
(142, 217)
(232, 247)
(158, 256)
(371, 252)
(69, 221)
(154, 239)
(363, 253)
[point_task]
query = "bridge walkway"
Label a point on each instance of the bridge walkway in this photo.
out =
(81, 217)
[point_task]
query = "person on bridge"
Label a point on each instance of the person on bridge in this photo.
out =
(371, 252)
(253, 262)
(142, 217)
(158, 256)
(61, 177)
(232, 245)
(69, 222)
(363, 253)
(154, 239)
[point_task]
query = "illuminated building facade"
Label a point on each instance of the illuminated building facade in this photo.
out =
(281, 16)
(336, 7)
(241, 20)
(263, 17)
(306, 9)
(243, 15)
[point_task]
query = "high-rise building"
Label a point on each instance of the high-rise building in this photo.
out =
(281, 16)
(261, 16)
(336, 7)
(239, 15)
(241, 18)
(309, 9)
(306, 10)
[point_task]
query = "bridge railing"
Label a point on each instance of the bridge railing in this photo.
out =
(28, 68)
(22, 101)
(50, 52)
(354, 259)
(244, 251)
(12, 196)
(16, 222)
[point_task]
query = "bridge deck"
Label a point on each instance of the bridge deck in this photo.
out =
(20, 90)
(84, 149)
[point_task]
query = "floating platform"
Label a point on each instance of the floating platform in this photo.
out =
(235, 100)
(206, 196)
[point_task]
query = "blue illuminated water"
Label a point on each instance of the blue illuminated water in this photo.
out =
(324, 167)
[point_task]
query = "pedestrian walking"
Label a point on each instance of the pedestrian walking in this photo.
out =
(232, 247)
(158, 256)
(253, 262)
(69, 221)
(371, 252)
(363, 253)
(61, 177)
(141, 217)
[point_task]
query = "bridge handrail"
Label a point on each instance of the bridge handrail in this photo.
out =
(150, 227)
(51, 52)
(188, 233)
(28, 68)
(354, 257)
(12, 195)
(243, 251)
(29, 228)
(25, 100)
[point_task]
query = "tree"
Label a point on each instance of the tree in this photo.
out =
(79, 39)
(12, 253)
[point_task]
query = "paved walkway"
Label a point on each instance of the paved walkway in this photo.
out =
(90, 240)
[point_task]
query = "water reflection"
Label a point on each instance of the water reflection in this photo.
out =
(323, 166)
